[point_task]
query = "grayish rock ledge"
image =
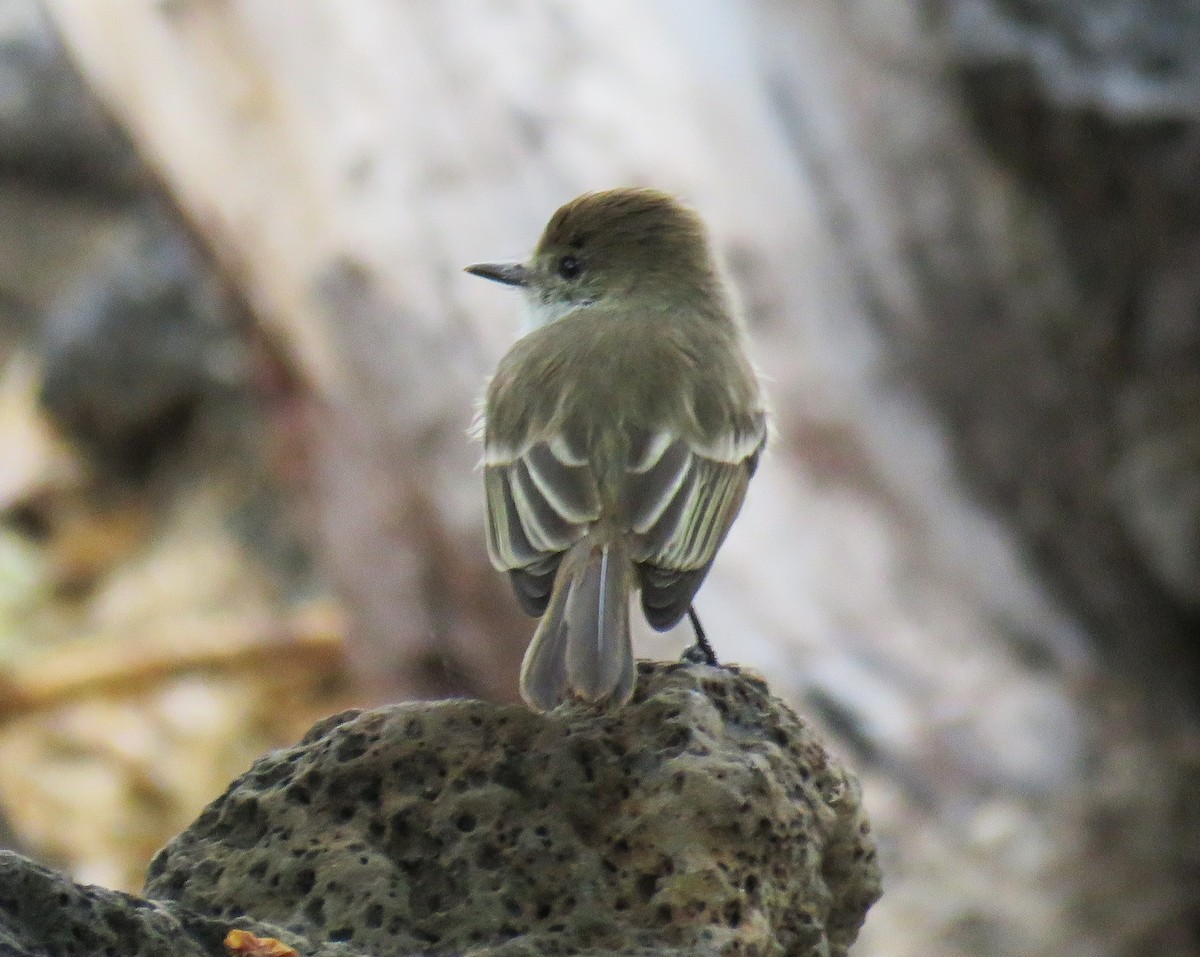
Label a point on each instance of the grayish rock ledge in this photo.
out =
(702, 818)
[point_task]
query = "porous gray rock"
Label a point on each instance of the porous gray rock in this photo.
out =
(704, 817)
(44, 914)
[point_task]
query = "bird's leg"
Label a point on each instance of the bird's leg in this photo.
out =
(701, 653)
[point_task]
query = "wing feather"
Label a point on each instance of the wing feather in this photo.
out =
(685, 520)
(546, 529)
(508, 545)
(566, 483)
(688, 520)
(538, 505)
(649, 492)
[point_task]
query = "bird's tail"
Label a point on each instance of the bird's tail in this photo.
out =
(582, 648)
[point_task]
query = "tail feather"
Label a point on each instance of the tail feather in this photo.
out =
(582, 646)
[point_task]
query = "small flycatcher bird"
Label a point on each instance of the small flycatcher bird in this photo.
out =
(619, 433)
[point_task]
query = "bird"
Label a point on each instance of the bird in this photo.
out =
(620, 433)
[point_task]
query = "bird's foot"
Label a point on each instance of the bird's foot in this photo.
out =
(700, 653)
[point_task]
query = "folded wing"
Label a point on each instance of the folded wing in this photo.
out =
(682, 498)
(540, 502)
(678, 499)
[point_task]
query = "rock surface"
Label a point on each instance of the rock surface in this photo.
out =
(42, 912)
(704, 817)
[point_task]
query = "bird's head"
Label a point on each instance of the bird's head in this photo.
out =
(608, 248)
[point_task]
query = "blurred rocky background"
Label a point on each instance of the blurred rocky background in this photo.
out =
(238, 359)
(160, 620)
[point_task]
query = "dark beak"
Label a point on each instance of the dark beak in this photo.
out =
(511, 274)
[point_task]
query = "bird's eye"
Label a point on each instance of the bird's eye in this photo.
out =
(569, 267)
